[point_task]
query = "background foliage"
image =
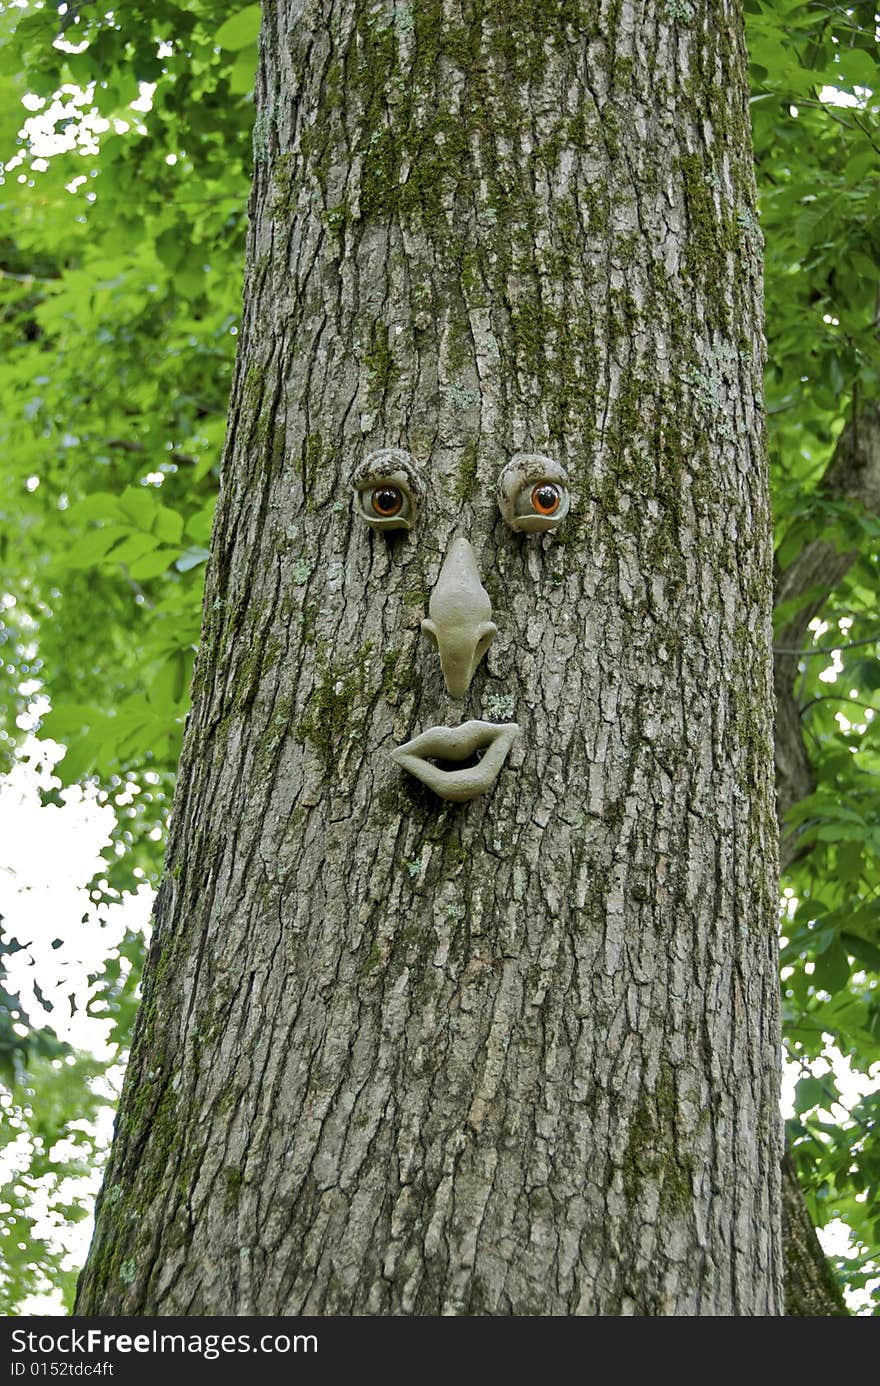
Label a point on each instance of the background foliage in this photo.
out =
(126, 142)
(818, 167)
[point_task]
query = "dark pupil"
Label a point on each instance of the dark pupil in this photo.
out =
(387, 500)
(546, 497)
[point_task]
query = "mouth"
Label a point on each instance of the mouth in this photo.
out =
(478, 749)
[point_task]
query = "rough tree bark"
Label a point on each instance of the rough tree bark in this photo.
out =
(517, 1056)
(811, 1288)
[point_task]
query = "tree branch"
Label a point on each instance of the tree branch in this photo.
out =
(827, 649)
(184, 459)
(836, 698)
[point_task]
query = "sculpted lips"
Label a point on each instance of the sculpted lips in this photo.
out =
(454, 744)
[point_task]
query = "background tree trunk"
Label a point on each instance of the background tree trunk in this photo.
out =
(853, 474)
(520, 1055)
(811, 1287)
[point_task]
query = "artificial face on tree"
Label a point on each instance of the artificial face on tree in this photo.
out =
(460, 762)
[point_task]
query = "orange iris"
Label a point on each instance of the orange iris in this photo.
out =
(546, 499)
(387, 501)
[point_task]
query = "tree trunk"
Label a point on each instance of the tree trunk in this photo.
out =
(518, 1055)
(811, 1288)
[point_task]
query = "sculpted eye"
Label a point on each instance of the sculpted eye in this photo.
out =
(387, 501)
(388, 488)
(533, 494)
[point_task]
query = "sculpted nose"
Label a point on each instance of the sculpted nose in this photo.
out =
(458, 619)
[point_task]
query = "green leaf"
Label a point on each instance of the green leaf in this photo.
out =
(132, 549)
(172, 248)
(240, 29)
(841, 832)
(168, 525)
(850, 861)
(857, 69)
(243, 74)
(809, 1093)
(99, 505)
(863, 950)
(831, 971)
(152, 564)
(199, 525)
(93, 546)
(138, 505)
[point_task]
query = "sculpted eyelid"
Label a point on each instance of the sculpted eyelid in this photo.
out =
(533, 493)
(391, 471)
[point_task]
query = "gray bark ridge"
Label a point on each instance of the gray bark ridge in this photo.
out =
(518, 1056)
